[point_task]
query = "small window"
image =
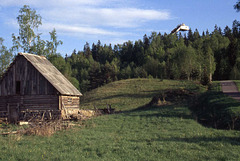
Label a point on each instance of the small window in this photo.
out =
(18, 87)
(69, 100)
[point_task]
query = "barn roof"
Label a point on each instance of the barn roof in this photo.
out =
(52, 74)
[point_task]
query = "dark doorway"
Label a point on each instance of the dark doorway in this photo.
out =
(18, 87)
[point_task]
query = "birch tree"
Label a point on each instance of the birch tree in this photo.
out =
(28, 21)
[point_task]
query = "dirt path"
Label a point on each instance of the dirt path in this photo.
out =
(230, 88)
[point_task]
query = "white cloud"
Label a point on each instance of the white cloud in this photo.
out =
(108, 20)
(131, 17)
(76, 30)
(91, 12)
(115, 17)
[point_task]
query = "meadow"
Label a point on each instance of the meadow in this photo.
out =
(136, 132)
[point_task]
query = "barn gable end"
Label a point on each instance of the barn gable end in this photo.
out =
(22, 78)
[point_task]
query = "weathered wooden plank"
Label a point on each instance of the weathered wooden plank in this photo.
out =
(31, 81)
(70, 101)
(3, 104)
(25, 83)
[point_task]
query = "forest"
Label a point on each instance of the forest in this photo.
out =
(190, 55)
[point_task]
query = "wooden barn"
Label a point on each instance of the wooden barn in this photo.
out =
(32, 86)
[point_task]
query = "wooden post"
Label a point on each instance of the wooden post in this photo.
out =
(65, 110)
(8, 110)
(43, 115)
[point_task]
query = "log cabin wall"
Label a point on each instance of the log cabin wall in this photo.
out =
(40, 102)
(69, 105)
(8, 104)
(3, 103)
(22, 84)
(30, 102)
(32, 83)
(70, 101)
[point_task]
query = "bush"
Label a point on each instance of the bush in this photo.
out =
(214, 109)
(204, 78)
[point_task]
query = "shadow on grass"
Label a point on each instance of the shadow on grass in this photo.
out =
(138, 96)
(169, 103)
(177, 111)
(217, 110)
(172, 110)
(234, 95)
(198, 139)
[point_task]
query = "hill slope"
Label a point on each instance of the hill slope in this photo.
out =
(154, 132)
(132, 93)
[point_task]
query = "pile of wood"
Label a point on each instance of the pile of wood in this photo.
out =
(47, 122)
(83, 114)
(86, 114)
(39, 115)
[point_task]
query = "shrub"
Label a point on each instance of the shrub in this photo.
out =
(217, 110)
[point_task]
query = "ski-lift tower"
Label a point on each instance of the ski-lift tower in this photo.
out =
(181, 27)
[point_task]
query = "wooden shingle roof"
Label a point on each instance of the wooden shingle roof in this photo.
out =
(52, 74)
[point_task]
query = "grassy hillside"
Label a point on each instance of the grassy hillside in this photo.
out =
(132, 93)
(140, 132)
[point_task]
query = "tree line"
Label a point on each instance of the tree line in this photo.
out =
(193, 56)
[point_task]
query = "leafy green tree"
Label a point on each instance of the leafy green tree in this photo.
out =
(125, 73)
(28, 22)
(237, 6)
(146, 42)
(228, 33)
(152, 67)
(196, 35)
(219, 45)
(139, 56)
(109, 72)
(185, 61)
(95, 75)
(39, 47)
(87, 50)
(53, 44)
(205, 77)
(126, 53)
(106, 54)
(139, 72)
(209, 62)
(190, 36)
(64, 67)
(156, 47)
(28, 40)
(5, 57)
(235, 74)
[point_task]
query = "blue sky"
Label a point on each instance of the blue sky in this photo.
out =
(115, 21)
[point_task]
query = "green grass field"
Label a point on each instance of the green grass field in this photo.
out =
(139, 132)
